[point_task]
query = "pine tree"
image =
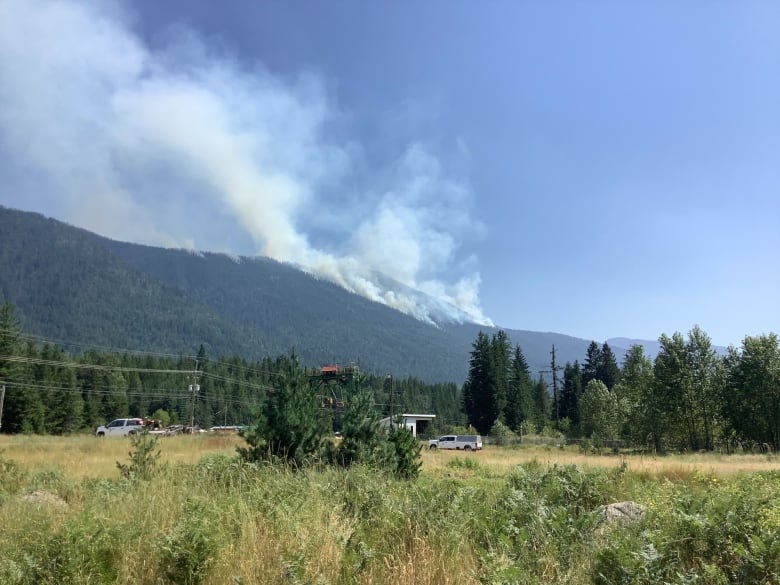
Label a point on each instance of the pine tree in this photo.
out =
(292, 425)
(500, 354)
(590, 369)
(13, 374)
(519, 401)
(479, 391)
(540, 415)
(571, 393)
(363, 440)
(607, 369)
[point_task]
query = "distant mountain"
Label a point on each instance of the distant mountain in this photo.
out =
(71, 285)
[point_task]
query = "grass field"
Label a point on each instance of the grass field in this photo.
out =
(527, 515)
(87, 456)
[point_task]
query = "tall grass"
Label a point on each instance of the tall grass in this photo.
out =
(208, 518)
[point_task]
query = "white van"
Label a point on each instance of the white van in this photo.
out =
(457, 442)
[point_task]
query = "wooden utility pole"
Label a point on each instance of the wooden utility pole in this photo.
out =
(194, 387)
(2, 398)
(390, 376)
(555, 369)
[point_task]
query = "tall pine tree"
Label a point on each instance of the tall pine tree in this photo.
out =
(571, 393)
(479, 391)
(519, 391)
(500, 354)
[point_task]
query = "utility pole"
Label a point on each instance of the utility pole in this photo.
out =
(194, 388)
(555, 369)
(2, 398)
(390, 376)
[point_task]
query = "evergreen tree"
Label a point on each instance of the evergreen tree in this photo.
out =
(291, 427)
(63, 404)
(590, 368)
(405, 450)
(519, 392)
(479, 391)
(12, 372)
(607, 369)
(540, 415)
(500, 353)
(363, 440)
(571, 393)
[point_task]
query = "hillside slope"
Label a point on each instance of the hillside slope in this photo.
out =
(72, 285)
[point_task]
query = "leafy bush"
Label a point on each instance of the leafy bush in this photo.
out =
(501, 434)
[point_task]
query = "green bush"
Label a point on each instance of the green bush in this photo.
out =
(13, 477)
(144, 456)
(404, 455)
(463, 463)
(190, 546)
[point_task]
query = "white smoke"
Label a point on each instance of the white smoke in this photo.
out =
(160, 146)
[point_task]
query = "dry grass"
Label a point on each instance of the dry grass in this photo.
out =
(280, 527)
(500, 460)
(87, 456)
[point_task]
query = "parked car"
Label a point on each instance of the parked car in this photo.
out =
(457, 442)
(121, 427)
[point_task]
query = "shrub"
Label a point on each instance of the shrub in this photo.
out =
(13, 477)
(501, 434)
(143, 458)
(189, 548)
(405, 461)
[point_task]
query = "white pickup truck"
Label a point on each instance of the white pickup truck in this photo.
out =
(457, 442)
(121, 427)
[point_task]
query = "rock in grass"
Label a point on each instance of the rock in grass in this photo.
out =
(623, 512)
(44, 498)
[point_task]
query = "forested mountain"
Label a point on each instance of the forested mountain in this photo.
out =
(73, 286)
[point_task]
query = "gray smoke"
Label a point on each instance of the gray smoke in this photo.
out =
(165, 146)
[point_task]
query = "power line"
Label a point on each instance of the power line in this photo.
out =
(77, 365)
(104, 391)
(110, 368)
(134, 352)
(41, 339)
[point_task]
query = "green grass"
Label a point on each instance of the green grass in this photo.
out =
(207, 518)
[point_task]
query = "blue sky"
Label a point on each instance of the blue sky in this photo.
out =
(596, 169)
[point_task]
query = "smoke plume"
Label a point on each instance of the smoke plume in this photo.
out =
(181, 145)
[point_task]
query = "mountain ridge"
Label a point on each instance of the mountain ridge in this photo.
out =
(69, 283)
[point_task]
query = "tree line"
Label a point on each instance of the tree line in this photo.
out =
(49, 390)
(687, 398)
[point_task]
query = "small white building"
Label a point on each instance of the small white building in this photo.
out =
(416, 423)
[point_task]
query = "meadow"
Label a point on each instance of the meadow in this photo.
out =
(522, 515)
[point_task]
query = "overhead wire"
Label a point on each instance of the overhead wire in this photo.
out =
(135, 352)
(104, 391)
(42, 339)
